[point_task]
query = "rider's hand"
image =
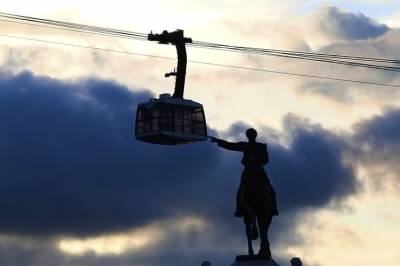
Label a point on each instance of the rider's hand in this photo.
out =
(213, 139)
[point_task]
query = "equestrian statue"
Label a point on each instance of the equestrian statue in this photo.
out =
(255, 198)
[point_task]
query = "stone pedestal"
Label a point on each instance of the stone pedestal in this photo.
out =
(253, 260)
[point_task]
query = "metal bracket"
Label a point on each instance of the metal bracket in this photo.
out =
(176, 38)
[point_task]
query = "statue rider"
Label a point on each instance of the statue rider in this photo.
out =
(255, 198)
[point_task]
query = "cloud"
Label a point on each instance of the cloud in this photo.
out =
(277, 92)
(334, 31)
(326, 30)
(308, 171)
(70, 167)
(392, 20)
(71, 159)
(348, 26)
(148, 237)
(377, 146)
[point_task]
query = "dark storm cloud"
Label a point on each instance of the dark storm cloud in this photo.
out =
(70, 166)
(377, 146)
(310, 172)
(70, 163)
(349, 26)
(381, 131)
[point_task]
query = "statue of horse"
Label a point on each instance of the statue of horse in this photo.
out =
(256, 204)
(255, 199)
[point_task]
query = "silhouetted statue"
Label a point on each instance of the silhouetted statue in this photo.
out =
(296, 261)
(255, 198)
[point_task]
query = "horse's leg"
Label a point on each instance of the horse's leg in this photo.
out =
(273, 200)
(264, 221)
(248, 222)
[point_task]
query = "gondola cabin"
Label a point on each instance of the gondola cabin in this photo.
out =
(171, 120)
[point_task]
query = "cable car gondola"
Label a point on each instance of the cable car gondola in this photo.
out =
(171, 120)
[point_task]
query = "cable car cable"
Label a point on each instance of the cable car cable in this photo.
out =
(73, 25)
(378, 67)
(204, 63)
(207, 45)
(361, 58)
(75, 30)
(200, 44)
(300, 55)
(323, 59)
(82, 30)
(67, 24)
(86, 47)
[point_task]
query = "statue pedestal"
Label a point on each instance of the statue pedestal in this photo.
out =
(253, 260)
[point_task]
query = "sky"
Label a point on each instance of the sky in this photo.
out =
(76, 188)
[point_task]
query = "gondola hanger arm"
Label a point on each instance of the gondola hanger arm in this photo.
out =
(175, 38)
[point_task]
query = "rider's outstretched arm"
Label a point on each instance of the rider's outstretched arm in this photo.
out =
(232, 146)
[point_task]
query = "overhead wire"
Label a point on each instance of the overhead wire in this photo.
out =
(285, 54)
(68, 24)
(197, 43)
(318, 57)
(312, 58)
(73, 30)
(203, 62)
(75, 26)
(325, 55)
(86, 47)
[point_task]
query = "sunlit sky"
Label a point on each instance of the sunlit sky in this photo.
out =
(365, 230)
